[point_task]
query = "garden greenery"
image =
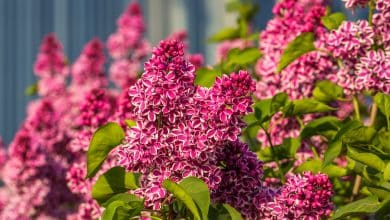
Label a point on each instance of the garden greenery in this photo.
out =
(290, 123)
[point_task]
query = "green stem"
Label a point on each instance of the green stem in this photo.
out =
(371, 8)
(274, 155)
(358, 178)
(356, 108)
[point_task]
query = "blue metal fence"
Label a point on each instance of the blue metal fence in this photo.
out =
(23, 23)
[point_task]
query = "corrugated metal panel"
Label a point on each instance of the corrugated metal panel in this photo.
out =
(24, 23)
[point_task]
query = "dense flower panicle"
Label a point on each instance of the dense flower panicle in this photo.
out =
(89, 67)
(51, 59)
(96, 109)
(51, 67)
(127, 46)
(34, 174)
(363, 50)
(373, 71)
(305, 196)
(180, 126)
(297, 80)
(241, 179)
(381, 22)
(124, 72)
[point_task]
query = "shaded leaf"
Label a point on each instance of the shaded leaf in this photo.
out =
(287, 149)
(126, 197)
(335, 146)
(326, 91)
(120, 210)
(199, 192)
(305, 106)
(183, 196)
(326, 126)
(112, 182)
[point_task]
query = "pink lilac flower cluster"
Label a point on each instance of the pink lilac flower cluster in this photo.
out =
(184, 130)
(297, 80)
(355, 3)
(364, 53)
(34, 172)
(241, 179)
(51, 66)
(292, 17)
(305, 196)
(88, 70)
(179, 125)
(44, 149)
(93, 106)
(96, 110)
(127, 46)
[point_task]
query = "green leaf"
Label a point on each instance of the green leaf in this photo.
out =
(31, 90)
(263, 110)
(326, 91)
(334, 171)
(383, 102)
(287, 149)
(206, 77)
(126, 197)
(301, 45)
(386, 173)
(367, 205)
(333, 21)
(199, 192)
(305, 106)
(103, 141)
(223, 212)
(242, 57)
(183, 196)
(130, 123)
(326, 126)
(278, 102)
(120, 210)
(266, 108)
(310, 165)
(234, 214)
(383, 212)
(359, 136)
(225, 34)
(368, 159)
(382, 140)
(112, 182)
(381, 192)
(335, 146)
